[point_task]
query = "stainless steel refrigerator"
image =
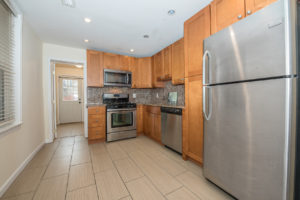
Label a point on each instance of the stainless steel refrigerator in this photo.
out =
(249, 105)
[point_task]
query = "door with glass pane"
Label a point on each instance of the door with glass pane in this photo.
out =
(70, 100)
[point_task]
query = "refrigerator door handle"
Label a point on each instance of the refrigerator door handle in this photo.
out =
(208, 55)
(207, 116)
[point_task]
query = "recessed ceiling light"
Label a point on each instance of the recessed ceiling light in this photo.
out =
(86, 40)
(171, 12)
(78, 66)
(69, 3)
(131, 50)
(146, 36)
(87, 20)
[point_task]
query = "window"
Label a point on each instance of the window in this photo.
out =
(9, 66)
(70, 90)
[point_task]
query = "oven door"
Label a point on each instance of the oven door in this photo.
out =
(121, 120)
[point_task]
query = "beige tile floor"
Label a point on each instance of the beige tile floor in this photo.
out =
(68, 130)
(137, 169)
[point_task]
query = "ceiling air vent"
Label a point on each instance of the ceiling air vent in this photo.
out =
(69, 3)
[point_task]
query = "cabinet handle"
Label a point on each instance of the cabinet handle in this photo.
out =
(240, 16)
(249, 12)
(97, 121)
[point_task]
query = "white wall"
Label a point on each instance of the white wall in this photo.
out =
(58, 53)
(16, 145)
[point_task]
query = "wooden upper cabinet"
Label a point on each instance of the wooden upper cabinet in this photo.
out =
(111, 61)
(178, 62)
(94, 68)
(144, 72)
(157, 70)
(134, 72)
(225, 13)
(254, 5)
(125, 62)
(196, 29)
(141, 70)
(167, 63)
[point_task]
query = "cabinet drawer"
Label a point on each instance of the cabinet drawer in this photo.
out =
(153, 109)
(96, 122)
(96, 110)
(97, 133)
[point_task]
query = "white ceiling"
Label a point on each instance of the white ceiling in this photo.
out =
(117, 25)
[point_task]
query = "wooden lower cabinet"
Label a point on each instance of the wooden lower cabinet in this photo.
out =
(96, 123)
(152, 122)
(193, 120)
(140, 119)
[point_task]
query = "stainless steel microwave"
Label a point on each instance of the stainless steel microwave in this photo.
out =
(117, 78)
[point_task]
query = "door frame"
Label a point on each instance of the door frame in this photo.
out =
(58, 95)
(52, 96)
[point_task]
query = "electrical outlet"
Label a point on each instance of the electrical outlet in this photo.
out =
(134, 95)
(157, 96)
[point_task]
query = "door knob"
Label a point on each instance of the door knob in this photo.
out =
(249, 12)
(240, 16)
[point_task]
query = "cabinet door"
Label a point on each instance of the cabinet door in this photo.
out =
(225, 13)
(157, 128)
(167, 62)
(178, 62)
(134, 73)
(147, 122)
(254, 5)
(139, 119)
(144, 73)
(111, 61)
(196, 29)
(157, 70)
(193, 129)
(125, 62)
(94, 68)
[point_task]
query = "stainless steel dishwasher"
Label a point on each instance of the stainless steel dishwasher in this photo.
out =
(171, 128)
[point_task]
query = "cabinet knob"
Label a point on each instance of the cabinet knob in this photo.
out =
(249, 12)
(240, 16)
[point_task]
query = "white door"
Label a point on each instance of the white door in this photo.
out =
(70, 100)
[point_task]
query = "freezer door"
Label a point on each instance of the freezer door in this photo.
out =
(244, 138)
(252, 48)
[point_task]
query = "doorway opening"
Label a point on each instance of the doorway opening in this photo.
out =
(67, 99)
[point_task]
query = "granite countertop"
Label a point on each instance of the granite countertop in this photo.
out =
(162, 105)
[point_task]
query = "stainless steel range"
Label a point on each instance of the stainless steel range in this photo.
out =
(121, 117)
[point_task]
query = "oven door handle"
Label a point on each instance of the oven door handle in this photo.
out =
(115, 111)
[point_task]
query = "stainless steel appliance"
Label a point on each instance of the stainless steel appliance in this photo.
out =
(121, 117)
(249, 108)
(117, 78)
(171, 128)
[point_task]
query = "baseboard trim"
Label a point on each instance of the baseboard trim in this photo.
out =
(16, 173)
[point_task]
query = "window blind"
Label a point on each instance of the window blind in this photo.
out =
(7, 65)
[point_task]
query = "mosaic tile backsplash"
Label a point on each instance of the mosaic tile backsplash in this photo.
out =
(143, 96)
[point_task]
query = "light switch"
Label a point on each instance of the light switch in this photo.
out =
(157, 96)
(134, 95)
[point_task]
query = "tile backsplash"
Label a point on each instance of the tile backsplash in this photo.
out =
(144, 96)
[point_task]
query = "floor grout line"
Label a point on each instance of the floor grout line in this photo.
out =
(94, 175)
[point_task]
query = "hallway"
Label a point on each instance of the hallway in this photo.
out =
(69, 130)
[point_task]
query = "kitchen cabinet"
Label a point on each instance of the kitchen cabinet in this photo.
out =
(141, 72)
(96, 123)
(111, 61)
(140, 119)
(125, 63)
(167, 63)
(196, 29)
(157, 70)
(177, 62)
(152, 122)
(94, 68)
(254, 5)
(193, 119)
(225, 13)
